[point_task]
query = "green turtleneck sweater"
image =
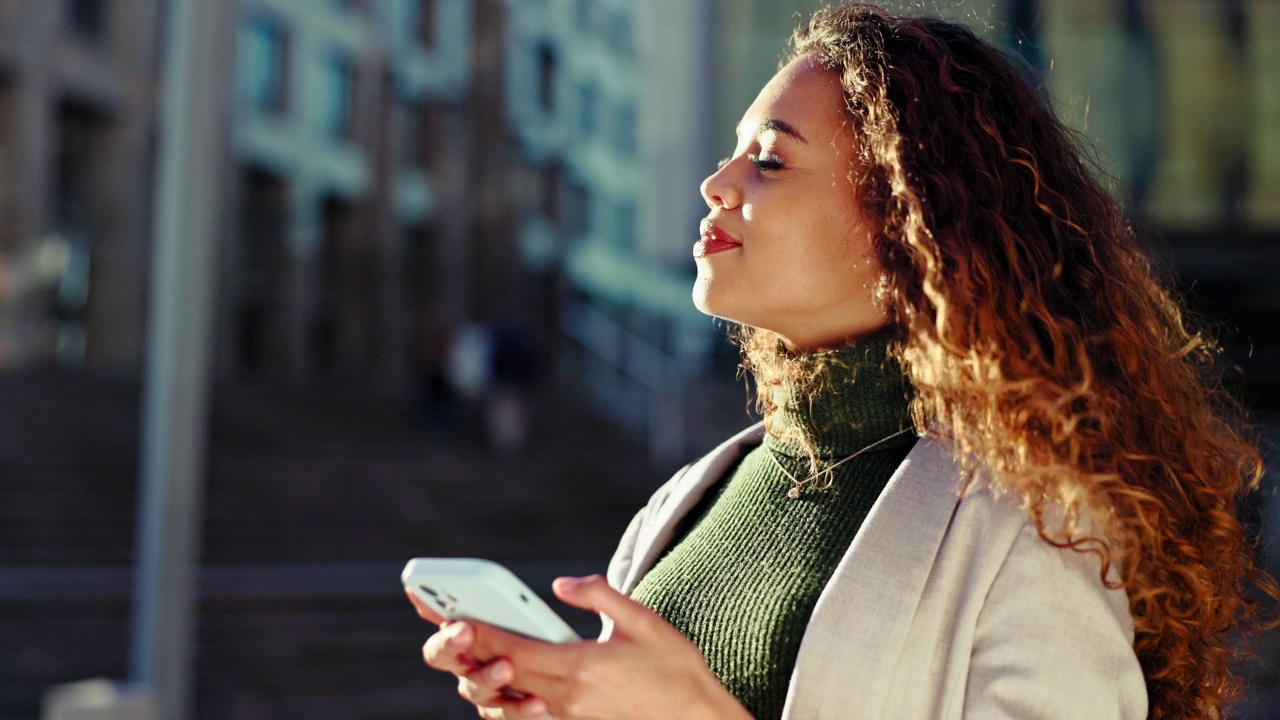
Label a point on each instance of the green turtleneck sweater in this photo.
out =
(743, 580)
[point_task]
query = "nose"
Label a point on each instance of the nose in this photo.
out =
(721, 189)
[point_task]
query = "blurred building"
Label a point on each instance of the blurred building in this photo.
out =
(576, 76)
(396, 168)
(349, 186)
(618, 109)
(621, 108)
(77, 125)
(1182, 99)
(348, 132)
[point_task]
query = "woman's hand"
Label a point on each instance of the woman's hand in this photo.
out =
(484, 684)
(647, 669)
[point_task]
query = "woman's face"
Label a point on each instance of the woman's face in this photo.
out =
(785, 246)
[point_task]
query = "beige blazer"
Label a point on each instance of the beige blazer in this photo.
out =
(942, 607)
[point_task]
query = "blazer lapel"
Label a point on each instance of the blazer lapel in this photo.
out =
(682, 496)
(856, 633)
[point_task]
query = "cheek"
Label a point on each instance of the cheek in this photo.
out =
(836, 254)
(845, 279)
(855, 248)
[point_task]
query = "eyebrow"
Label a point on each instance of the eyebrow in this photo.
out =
(778, 126)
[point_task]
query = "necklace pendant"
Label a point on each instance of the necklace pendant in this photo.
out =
(797, 486)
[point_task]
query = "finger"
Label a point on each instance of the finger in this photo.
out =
(539, 668)
(424, 610)
(488, 688)
(490, 680)
(526, 654)
(530, 707)
(593, 593)
(448, 649)
(527, 709)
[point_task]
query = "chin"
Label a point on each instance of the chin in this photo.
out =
(706, 305)
(703, 291)
(724, 300)
(710, 302)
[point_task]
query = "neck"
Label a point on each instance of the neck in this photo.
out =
(819, 342)
(851, 397)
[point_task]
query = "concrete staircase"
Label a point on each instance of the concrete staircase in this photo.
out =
(313, 504)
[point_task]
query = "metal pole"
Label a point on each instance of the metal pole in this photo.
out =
(174, 420)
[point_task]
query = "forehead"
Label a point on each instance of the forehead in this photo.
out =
(804, 94)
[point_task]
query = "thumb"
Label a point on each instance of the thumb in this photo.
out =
(593, 593)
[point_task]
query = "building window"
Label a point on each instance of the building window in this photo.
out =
(414, 21)
(418, 126)
(426, 22)
(77, 164)
(263, 69)
(337, 97)
(625, 220)
(619, 34)
(583, 15)
(587, 111)
(546, 78)
(409, 128)
(624, 129)
(341, 299)
(262, 268)
(550, 178)
(577, 209)
(88, 18)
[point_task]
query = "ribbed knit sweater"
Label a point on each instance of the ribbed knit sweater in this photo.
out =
(742, 581)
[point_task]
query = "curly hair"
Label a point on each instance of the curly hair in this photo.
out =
(1042, 340)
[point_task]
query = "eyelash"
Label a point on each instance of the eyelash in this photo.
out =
(765, 163)
(761, 163)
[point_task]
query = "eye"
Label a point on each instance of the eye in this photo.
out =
(765, 163)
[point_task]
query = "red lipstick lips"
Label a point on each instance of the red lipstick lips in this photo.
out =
(713, 240)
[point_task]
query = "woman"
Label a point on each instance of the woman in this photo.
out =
(996, 477)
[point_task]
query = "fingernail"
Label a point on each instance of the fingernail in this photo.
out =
(499, 674)
(570, 583)
(455, 632)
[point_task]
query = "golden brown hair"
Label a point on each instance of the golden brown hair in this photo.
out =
(1039, 337)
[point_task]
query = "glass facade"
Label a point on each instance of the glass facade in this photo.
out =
(263, 65)
(88, 18)
(336, 97)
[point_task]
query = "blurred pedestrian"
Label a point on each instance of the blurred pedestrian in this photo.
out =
(508, 405)
(996, 476)
(439, 403)
(467, 365)
(467, 376)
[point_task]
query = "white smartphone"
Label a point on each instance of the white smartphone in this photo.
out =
(475, 589)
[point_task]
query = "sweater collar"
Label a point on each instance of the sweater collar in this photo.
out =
(858, 397)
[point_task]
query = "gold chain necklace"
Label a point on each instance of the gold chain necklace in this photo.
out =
(797, 485)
